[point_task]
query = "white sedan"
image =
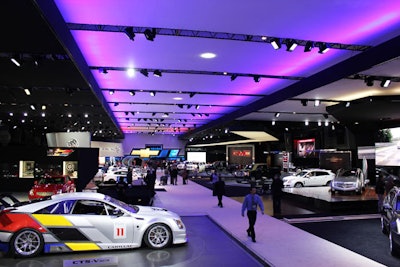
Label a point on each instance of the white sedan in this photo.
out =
(85, 221)
(309, 177)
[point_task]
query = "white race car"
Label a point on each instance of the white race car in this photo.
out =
(309, 177)
(85, 221)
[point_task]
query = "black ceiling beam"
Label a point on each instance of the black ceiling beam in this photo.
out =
(358, 63)
(210, 35)
(52, 15)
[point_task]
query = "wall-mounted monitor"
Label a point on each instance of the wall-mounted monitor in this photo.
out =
(388, 153)
(305, 148)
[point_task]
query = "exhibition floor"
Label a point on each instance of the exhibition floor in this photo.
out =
(278, 242)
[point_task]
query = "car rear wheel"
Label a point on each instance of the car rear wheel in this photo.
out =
(158, 236)
(298, 185)
(328, 183)
(27, 243)
(394, 249)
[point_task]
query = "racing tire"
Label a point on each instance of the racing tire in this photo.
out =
(394, 249)
(158, 236)
(298, 185)
(26, 243)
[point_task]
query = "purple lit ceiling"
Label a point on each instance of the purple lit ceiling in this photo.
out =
(232, 30)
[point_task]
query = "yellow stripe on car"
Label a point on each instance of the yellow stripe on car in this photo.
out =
(82, 246)
(52, 220)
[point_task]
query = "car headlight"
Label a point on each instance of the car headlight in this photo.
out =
(179, 223)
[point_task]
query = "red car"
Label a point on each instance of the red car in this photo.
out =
(50, 185)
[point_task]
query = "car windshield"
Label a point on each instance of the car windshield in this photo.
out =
(348, 173)
(131, 208)
(58, 180)
(302, 173)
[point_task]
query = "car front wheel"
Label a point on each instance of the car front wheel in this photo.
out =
(27, 243)
(298, 185)
(158, 236)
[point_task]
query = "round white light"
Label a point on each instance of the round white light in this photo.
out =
(208, 55)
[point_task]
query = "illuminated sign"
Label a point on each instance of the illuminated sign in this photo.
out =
(58, 152)
(144, 152)
(241, 153)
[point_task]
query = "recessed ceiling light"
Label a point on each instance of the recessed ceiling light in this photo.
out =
(208, 55)
(177, 98)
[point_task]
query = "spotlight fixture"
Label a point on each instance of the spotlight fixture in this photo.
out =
(277, 114)
(180, 105)
(14, 59)
(191, 95)
(323, 48)
(304, 102)
(326, 116)
(317, 102)
(33, 107)
(189, 106)
(129, 32)
(347, 104)
(157, 73)
(153, 114)
(150, 34)
(309, 46)
(132, 93)
(103, 70)
(256, 78)
(153, 93)
(276, 43)
(369, 81)
(44, 107)
(385, 83)
(273, 122)
(144, 72)
(111, 92)
(197, 106)
(306, 123)
(116, 104)
(27, 91)
(233, 77)
(291, 45)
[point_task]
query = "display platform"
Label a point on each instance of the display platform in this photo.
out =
(321, 198)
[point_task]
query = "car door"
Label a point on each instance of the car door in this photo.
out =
(321, 178)
(104, 224)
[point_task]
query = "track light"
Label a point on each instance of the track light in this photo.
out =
(189, 106)
(103, 70)
(317, 102)
(150, 34)
(116, 104)
(180, 105)
(15, 59)
(132, 93)
(153, 93)
(197, 106)
(304, 102)
(233, 77)
(111, 92)
(191, 95)
(347, 104)
(277, 115)
(33, 107)
(369, 81)
(256, 78)
(309, 46)
(326, 116)
(273, 122)
(323, 48)
(129, 32)
(276, 43)
(27, 91)
(306, 123)
(291, 45)
(157, 73)
(385, 83)
(44, 107)
(144, 72)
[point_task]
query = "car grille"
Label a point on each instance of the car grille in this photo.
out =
(344, 185)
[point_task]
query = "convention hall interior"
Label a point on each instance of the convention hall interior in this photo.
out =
(292, 85)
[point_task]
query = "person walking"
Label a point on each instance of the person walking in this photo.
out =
(219, 191)
(174, 175)
(250, 203)
(276, 191)
(380, 191)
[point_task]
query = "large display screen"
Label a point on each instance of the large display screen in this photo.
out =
(388, 153)
(173, 153)
(305, 148)
(196, 156)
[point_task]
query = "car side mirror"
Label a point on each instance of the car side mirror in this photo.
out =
(117, 212)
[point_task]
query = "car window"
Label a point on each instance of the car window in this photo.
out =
(62, 207)
(92, 207)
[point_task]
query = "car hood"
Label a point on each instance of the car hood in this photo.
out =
(47, 187)
(288, 178)
(145, 210)
(346, 179)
